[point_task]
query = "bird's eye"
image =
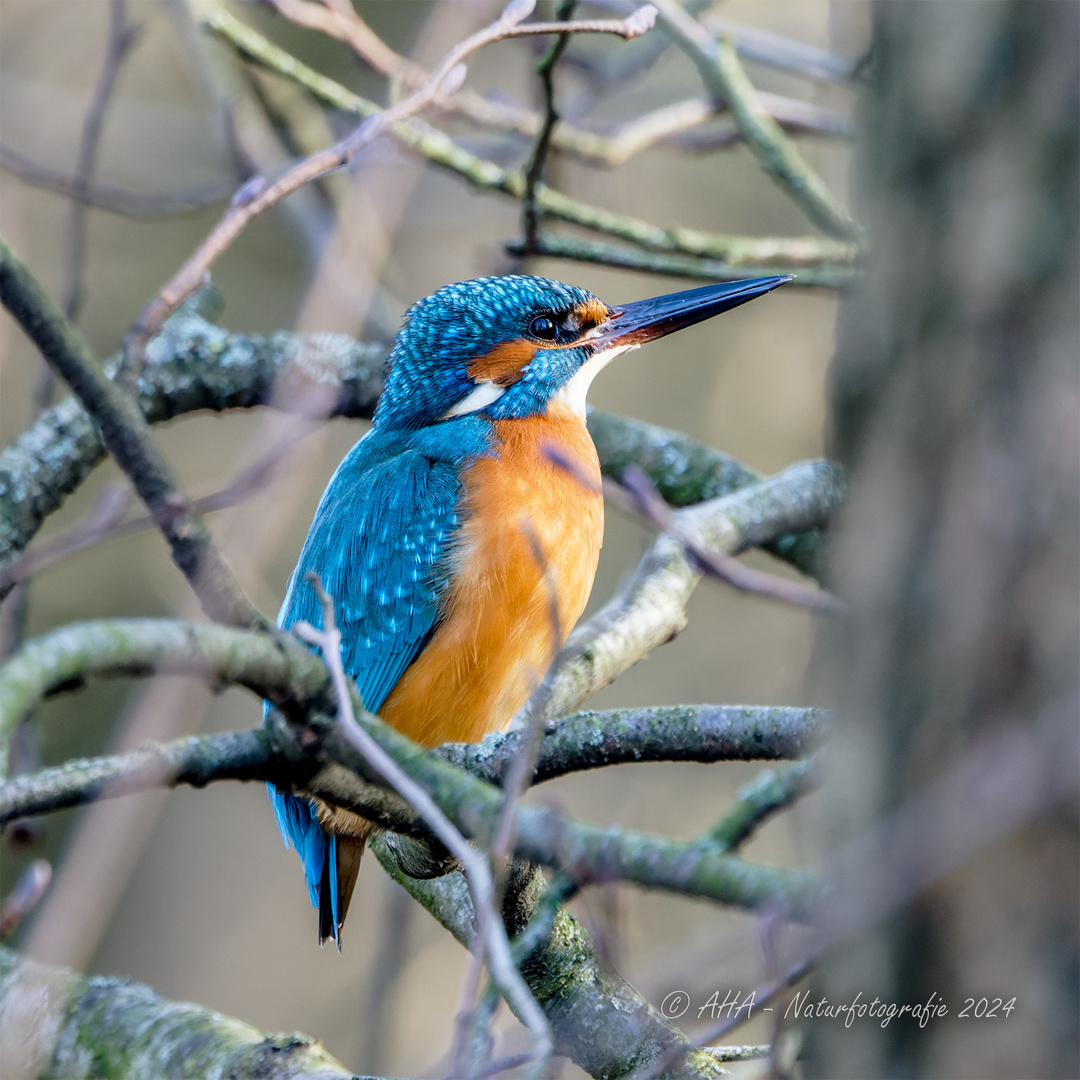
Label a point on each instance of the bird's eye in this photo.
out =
(544, 328)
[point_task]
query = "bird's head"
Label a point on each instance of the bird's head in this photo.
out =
(509, 346)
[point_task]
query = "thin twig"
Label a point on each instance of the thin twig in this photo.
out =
(722, 72)
(105, 196)
(127, 435)
(439, 149)
(490, 930)
(259, 194)
(122, 36)
(555, 246)
(105, 521)
(534, 167)
(339, 20)
(716, 563)
(23, 898)
(780, 51)
(769, 793)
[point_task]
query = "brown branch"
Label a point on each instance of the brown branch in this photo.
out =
(534, 167)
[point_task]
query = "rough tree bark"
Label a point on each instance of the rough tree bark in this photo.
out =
(956, 408)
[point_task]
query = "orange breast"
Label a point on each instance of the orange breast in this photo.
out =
(496, 639)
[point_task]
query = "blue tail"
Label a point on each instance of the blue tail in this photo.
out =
(301, 830)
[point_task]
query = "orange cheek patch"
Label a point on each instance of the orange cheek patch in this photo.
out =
(503, 364)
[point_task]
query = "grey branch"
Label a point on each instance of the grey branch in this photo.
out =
(56, 1023)
(587, 740)
(105, 196)
(279, 668)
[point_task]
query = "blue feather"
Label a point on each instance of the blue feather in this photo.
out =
(379, 542)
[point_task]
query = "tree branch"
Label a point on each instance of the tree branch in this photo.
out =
(722, 72)
(259, 195)
(534, 166)
(56, 1023)
(122, 36)
(686, 472)
(191, 365)
(703, 733)
(770, 792)
(555, 246)
(441, 150)
(650, 608)
(588, 740)
(598, 1019)
(125, 432)
(138, 647)
(724, 567)
(280, 669)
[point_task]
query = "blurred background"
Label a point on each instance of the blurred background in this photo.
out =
(190, 891)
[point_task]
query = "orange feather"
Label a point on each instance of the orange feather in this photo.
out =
(496, 639)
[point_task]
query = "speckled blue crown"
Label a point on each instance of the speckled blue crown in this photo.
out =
(444, 332)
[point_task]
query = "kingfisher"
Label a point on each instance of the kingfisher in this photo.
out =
(464, 521)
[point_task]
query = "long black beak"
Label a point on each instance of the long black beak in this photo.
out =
(646, 320)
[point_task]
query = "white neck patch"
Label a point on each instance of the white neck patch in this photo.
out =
(573, 392)
(481, 397)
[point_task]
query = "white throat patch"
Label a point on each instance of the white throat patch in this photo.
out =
(572, 393)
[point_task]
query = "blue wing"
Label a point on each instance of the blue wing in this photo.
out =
(378, 543)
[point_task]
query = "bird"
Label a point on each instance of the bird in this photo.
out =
(461, 534)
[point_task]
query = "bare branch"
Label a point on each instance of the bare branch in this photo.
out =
(125, 432)
(534, 167)
(122, 36)
(277, 667)
(23, 898)
(764, 796)
(778, 50)
(109, 197)
(720, 565)
(650, 607)
(598, 1019)
(259, 195)
(651, 262)
(588, 740)
(723, 73)
(440, 150)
